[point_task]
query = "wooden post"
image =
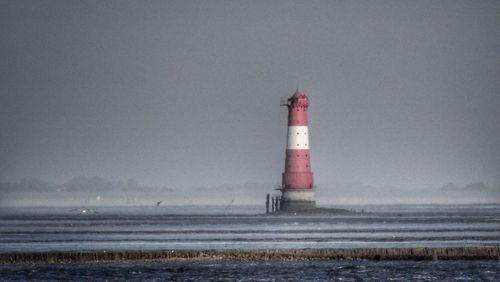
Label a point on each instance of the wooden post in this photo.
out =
(267, 203)
(273, 204)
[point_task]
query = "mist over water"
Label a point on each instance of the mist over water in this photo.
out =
(98, 191)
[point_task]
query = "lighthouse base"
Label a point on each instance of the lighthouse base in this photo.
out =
(297, 199)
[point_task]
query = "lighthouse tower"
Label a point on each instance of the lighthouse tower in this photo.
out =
(297, 180)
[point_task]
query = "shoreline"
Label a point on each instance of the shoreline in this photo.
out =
(375, 254)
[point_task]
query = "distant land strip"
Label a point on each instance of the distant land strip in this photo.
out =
(467, 253)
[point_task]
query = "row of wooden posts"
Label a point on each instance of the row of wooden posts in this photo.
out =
(272, 203)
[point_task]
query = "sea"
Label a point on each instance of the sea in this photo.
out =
(42, 229)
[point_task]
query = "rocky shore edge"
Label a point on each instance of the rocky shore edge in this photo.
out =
(74, 257)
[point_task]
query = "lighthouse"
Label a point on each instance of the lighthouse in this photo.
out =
(297, 180)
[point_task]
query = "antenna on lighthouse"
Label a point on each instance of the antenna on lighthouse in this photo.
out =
(284, 101)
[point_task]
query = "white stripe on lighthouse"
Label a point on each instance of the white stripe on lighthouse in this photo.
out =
(298, 137)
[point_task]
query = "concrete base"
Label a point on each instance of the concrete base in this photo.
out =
(297, 199)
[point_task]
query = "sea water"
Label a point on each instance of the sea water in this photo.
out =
(246, 227)
(260, 271)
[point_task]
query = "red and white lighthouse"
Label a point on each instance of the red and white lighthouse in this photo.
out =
(297, 180)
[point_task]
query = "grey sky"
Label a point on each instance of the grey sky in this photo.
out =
(186, 93)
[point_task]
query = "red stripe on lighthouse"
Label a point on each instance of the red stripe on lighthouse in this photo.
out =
(297, 173)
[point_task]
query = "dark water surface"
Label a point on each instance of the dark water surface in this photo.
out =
(260, 271)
